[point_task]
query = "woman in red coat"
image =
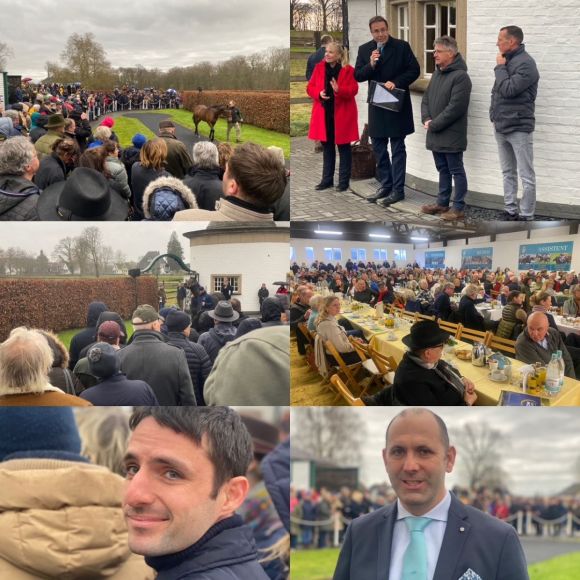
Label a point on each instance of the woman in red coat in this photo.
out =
(334, 118)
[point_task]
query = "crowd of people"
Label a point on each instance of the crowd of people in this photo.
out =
(55, 166)
(318, 515)
(94, 485)
(212, 354)
(448, 294)
(388, 64)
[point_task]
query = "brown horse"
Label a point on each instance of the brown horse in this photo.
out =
(208, 114)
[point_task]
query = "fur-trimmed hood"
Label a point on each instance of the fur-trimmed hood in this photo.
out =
(59, 350)
(164, 187)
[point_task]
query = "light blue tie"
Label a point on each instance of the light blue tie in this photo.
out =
(415, 557)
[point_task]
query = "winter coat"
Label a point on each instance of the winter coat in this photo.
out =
(166, 196)
(468, 315)
(513, 97)
(442, 306)
(50, 397)
(226, 211)
(63, 519)
(313, 60)
(227, 551)
(18, 199)
(86, 336)
(178, 159)
(118, 390)
(398, 65)
(276, 473)
(118, 176)
(129, 157)
(51, 170)
(141, 177)
(262, 358)
(206, 185)
(213, 341)
(162, 366)
(198, 362)
(44, 144)
(345, 110)
(445, 104)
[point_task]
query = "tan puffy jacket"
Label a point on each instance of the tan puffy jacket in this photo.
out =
(63, 519)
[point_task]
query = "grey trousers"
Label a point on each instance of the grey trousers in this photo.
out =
(516, 154)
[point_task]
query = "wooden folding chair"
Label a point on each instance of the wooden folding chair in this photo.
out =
(424, 317)
(384, 363)
(454, 329)
(471, 335)
(349, 372)
(412, 316)
(342, 389)
(505, 345)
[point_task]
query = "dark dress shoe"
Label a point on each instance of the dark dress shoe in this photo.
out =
(342, 187)
(324, 185)
(380, 194)
(393, 198)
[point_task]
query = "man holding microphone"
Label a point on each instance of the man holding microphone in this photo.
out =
(391, 62)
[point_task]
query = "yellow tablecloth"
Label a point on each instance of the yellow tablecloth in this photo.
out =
(488, 391)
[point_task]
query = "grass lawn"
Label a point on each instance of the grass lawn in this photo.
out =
(258, 135)
(297, 68)
(298, 90)
(299, 120)
(560, 568)
(127, 127)
(66, 335)
(302, 49)
(319, 565)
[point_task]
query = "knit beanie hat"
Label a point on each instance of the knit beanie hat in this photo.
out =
(139, 140)
(108, 122)
(39, 432)
(103, 360)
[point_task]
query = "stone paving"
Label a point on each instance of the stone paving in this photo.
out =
(331, 205)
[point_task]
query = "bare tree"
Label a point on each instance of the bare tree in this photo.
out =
(91, 239)
(480, 454)
(86, 58)
(5, 53)
(332, 433)
(66, 252)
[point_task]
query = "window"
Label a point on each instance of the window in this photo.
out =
(309, 254)
(401, 256)
(217, 282)
(292, 254)
(379, 254)
(403, 22)
(332, 254)
(358, 254)
(420, 22)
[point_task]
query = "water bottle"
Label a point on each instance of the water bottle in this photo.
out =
(553, 376)
(562, 365)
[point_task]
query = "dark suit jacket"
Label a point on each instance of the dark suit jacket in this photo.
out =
(399, 65)
(488, 546)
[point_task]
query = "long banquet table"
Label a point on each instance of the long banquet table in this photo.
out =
(488, 391)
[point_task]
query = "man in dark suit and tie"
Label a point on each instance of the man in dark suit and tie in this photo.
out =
(427, 534)
(389, 61)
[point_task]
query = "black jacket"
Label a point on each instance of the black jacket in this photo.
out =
(120, 391)
(141, 177)
(18, 199)
(468, 315)
(226, 552)
(198, 362)
(445, 102)
(399, 65)
(51, 170)
(313, 60)
(442, 307)
(86, 336)
(513, 97)
(206, 186)
(162, 366)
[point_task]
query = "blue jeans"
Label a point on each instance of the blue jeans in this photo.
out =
(391, 172)
(516, 154)
(451, 165)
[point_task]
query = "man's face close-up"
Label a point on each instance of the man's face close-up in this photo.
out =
(416, 462)
(379, 32)
(167, 503)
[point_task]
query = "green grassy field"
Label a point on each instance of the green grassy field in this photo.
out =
(127, 127)
(66, 335)
(319, 565)
(298, 90)
(258, 135)
(297, 68)
(299, 119)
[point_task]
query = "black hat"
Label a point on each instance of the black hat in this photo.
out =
(425, 334)
(103, 360)
(85, 195)
(177, 321)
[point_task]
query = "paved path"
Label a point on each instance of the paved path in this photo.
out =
(540, 549)
(330, 205)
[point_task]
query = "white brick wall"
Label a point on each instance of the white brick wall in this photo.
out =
(551, 29)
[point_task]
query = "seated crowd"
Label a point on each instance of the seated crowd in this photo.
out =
(53, 166)
(450, 295)
(172, 358)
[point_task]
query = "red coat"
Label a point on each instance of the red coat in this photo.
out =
(345, 110)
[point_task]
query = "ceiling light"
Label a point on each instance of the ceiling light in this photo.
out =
(380, 236)
(418, 239)
(331, 232)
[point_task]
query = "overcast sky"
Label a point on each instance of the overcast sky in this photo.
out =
(543, 444)
(160, 34)
(133, 238)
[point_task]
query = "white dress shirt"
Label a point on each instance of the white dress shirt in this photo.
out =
(434, 533)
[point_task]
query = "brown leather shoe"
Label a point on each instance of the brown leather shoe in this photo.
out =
(434, 209)
(453, 215)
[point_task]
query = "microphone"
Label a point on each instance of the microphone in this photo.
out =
(380, 49)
